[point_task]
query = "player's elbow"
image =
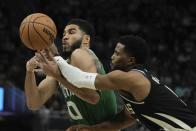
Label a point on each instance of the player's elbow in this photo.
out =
(88, 95)
(95, 99)
(92, 99)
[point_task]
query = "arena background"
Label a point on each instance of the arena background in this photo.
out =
(169, 26)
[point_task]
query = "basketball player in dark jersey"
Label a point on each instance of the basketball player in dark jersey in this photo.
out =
(84, 106)
(146, 98)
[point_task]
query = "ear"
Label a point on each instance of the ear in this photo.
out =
(86, 40)
(131, 60)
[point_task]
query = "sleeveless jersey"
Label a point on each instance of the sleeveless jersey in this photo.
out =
(162, 109)
(82, 112)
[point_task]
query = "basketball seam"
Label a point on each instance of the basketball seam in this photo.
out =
(22, 31)
(40, 35)
(43, 24)
(40, 24)
(29, 35)
(39, 17)
(35, 28)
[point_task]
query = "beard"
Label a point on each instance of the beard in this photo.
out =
(67, 52)
(115, 67)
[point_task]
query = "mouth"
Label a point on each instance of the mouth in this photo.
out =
(111, 61)
(65, 43)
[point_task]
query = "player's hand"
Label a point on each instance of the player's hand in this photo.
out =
(47, 63)
(80, 128)
(53, 49)
(32, 64)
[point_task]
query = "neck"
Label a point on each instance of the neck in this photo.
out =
(129, 67)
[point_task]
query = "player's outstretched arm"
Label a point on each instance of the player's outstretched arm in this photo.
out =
(120, 121)
(49, 66)
(115, 80)
(85, 94)
(36, 96)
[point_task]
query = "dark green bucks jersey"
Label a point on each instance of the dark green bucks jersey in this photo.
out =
(82, 112)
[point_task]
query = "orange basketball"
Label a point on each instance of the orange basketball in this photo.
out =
(37, 31)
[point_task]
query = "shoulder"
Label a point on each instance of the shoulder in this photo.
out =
(81, 56)
(83, 60)
(138, 77)
(141, 84)
(78, 53)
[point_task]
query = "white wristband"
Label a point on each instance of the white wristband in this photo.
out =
(76, 76)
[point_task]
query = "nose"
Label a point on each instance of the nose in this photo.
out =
(112, 57)
(65, 38)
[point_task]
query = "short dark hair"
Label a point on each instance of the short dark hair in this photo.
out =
(137, 47)
(84, 26)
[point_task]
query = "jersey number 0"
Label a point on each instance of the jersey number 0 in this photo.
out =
(73, 111)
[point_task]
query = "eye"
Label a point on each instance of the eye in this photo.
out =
(72, 31)
(116, 52)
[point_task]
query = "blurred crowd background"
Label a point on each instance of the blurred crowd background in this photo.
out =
(169, 26)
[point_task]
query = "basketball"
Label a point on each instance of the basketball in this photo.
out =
(37, 31)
